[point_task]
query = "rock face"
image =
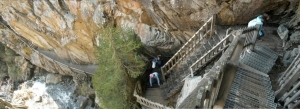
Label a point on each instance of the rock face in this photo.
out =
(53, 78)
(62, 95)
(70, 27)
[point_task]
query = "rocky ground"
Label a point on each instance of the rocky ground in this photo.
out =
(51, 91)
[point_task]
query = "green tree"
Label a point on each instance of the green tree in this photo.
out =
(119, 65)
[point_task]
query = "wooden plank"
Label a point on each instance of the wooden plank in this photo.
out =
(254, 37)
(201, 64)
(163, 74)
(212, 28)
(211, 50)
(180, 58)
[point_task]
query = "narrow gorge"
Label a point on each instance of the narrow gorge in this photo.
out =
(49, 47)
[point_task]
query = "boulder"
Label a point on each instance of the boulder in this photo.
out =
(295, 37)
(53, 78)
(283, 32)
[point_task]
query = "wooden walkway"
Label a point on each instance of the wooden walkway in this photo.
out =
(155, 94)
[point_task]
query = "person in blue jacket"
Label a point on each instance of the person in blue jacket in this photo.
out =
(260, 20)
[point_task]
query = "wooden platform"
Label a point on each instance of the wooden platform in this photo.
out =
(155, 94)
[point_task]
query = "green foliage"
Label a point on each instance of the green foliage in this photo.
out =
(14, 71)
(119, 64)
(9, 56)
(83, 88)
(8, 66)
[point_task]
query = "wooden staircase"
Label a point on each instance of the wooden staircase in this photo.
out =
(203, 47)
(155, 94)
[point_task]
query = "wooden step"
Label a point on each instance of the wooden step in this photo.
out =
(155, 94)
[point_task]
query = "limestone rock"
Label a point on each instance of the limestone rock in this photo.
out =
(70, 28)
(295, 37)
(283, 32)
(156, 40)
(38, 99)
(53, 78)
(295, 19)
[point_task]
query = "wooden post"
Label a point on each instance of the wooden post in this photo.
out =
(163, 74)
(212, 27)
(254, 37)
(192, 74)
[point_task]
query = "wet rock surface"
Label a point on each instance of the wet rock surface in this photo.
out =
(39, 94)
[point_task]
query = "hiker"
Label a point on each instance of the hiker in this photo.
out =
(156, 61)
(153, 76)
(260, 20)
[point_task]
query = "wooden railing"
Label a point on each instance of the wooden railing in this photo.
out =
(207, 90)
(289, 84)
(251, 35)
(207, 30)
(144, 101)
(210, 54)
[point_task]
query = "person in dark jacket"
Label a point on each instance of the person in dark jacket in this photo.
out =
(156, 62)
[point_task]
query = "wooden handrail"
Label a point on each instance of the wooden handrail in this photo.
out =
(183, 52)
(186, 53)
(211, 50)
(251, 35)
(144, 101)
(208, 88)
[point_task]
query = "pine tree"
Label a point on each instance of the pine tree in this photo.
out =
(119, 65)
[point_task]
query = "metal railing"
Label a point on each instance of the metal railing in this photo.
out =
(55, 67)
(207, 30)
(144, 101)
